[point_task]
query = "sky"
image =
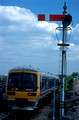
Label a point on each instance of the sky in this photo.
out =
(26, 41)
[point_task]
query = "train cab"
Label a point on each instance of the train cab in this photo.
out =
(26, 86)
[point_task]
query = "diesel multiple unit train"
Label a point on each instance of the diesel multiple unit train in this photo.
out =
(25, 87)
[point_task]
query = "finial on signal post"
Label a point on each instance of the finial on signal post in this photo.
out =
(64, 7)
(68, 17)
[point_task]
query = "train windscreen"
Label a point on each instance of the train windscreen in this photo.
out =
(22, 79)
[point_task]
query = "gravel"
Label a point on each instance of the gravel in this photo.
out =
(71, 108)
(45, 111)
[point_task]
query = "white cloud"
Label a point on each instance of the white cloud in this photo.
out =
(23, 39)
(49, 27)
(75, 32)
(20, 23)
(73, 54)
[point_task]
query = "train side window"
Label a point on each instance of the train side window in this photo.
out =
(53, 82)
(47, 79)
(57, 82)
(40, 82)
(50, 81)
(43, 83)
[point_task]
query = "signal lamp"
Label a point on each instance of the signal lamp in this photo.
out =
(67, 21)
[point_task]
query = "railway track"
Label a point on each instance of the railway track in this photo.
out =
(7, 116)
(17, 115)
(11, 116)
(45, 111)
(28, 115)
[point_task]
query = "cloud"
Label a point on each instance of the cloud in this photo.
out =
(73, 54)
(75, 32)
(24, 40)
(21, 23)
(49, 27)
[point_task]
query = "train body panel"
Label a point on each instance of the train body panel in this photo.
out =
(25, 87)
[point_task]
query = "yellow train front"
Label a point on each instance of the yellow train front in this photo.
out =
(23, 88)
(26, 87)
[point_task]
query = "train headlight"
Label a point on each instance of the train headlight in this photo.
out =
(31, 94)
(10, 93)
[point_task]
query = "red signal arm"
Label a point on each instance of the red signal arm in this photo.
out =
(42, 17)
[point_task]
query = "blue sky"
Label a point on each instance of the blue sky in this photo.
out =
(26, 41)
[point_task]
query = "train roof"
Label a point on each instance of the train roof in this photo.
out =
(30, 68)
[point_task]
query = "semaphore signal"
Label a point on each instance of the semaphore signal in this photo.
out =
(43, 17)
(65, 18)
(66, 21)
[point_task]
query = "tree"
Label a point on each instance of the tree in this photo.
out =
(69, 80)
(75, 74)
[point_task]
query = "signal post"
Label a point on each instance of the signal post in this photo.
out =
(66, 20)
